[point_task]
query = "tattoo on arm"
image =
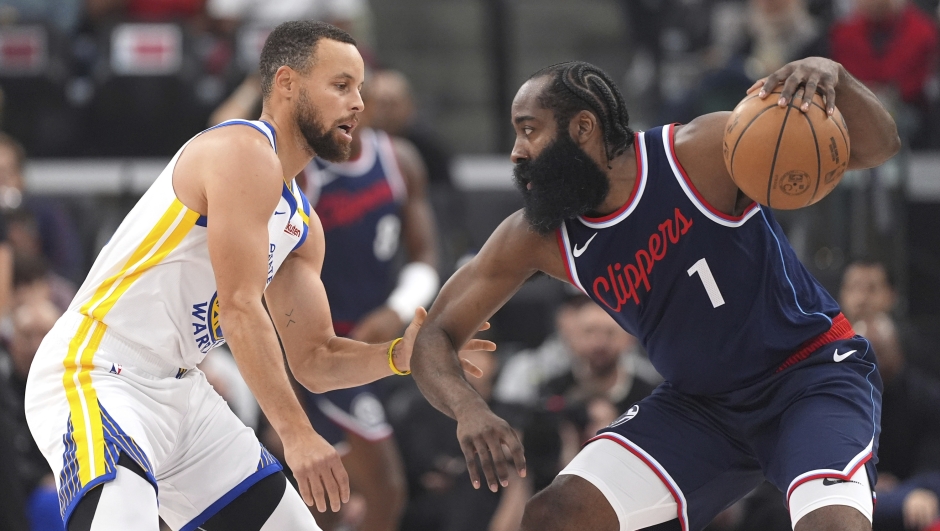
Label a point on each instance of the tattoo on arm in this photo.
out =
(289, 314)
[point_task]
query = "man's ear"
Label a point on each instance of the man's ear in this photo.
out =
(285, 81)
(582, 127)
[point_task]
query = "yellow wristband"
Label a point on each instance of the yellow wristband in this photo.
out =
(391, 362)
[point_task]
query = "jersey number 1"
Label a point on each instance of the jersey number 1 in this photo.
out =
(704, 273)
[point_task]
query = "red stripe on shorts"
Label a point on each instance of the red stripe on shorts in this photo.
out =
(841, 329)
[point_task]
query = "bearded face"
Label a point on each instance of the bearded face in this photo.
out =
(561, 183)
(323, 140)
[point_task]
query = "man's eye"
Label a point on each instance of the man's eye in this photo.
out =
(527, 130)
(341, 86)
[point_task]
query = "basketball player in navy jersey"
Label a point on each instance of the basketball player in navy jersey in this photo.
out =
(368, 207)
(764, 376)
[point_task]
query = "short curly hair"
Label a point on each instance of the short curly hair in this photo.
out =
(294, 44)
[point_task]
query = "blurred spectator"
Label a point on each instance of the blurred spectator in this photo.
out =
(343, 13)
(33, 281)
(31, 322)
(867, 290)
(45, 225)
(909, 447)
(441, 495)
(910, 411)
(146, 9)
(601, 383)
(892, 46)
(776, 32)
(573, 385)
(526, 374)
(64, 15)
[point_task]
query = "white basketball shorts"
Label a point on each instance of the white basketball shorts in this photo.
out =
(93, 395)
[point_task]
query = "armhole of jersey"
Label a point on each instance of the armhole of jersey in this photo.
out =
(564, 245)
(389, 161)
(693, 194)
(263, 127)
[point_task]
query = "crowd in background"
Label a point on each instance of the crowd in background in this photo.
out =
(587, 371)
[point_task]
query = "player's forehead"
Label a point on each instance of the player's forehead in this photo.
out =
(526, 103)
(334, 59)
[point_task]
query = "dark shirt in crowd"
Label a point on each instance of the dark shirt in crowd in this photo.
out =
(441, 497)
(910, 424)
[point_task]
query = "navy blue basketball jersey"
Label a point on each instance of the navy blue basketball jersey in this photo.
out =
(718, 301)
(359, 204)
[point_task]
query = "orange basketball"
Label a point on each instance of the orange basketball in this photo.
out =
(782, 157)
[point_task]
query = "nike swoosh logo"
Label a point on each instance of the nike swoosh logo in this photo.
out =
(836, 357)
(830, 481)
(276, 213)
(579, 252)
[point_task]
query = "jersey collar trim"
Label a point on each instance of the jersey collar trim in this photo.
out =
(669, 141)
(639, 143)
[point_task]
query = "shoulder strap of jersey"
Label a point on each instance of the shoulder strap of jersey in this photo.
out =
(386, 153)
(263, 127)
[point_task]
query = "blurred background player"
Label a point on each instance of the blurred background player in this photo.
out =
(372, 208)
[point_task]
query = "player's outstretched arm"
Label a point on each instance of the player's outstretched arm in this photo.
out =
(242, 186)
(318, 359)
(872, 130)
(511, 255)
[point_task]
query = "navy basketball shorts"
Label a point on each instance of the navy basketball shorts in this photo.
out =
(357, 410)
(817, 418)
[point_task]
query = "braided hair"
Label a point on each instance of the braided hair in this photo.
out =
(578, 86)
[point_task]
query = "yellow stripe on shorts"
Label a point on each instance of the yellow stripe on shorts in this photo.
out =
(88, 434)
(83, 400)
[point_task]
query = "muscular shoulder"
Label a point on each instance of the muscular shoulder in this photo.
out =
(699, 151)
(238, 159)
(237, 147)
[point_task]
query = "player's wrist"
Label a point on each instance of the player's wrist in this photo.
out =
(469, 406)
(395, 361)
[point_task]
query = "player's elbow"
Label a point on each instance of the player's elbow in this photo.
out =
(888, 146)
(311, 371)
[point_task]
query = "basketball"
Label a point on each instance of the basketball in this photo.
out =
(782, 157)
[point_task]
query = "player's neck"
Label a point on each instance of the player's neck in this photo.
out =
(622, 176)
(292, 148)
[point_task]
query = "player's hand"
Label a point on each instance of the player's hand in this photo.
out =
(318, 470)
(801, 79)
(380, 325)
(402, 353)
(482, 434)
(920, 509)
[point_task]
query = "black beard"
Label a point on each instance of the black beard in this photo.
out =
(320, 139)
(566, 183)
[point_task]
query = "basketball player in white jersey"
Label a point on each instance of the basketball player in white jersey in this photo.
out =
(131, 429)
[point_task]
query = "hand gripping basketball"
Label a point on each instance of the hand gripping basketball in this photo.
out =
(790, 152)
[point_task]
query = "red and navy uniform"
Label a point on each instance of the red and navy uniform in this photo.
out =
(751, 346)
(359, 204)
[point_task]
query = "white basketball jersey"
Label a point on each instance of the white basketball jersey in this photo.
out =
(153, 283)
